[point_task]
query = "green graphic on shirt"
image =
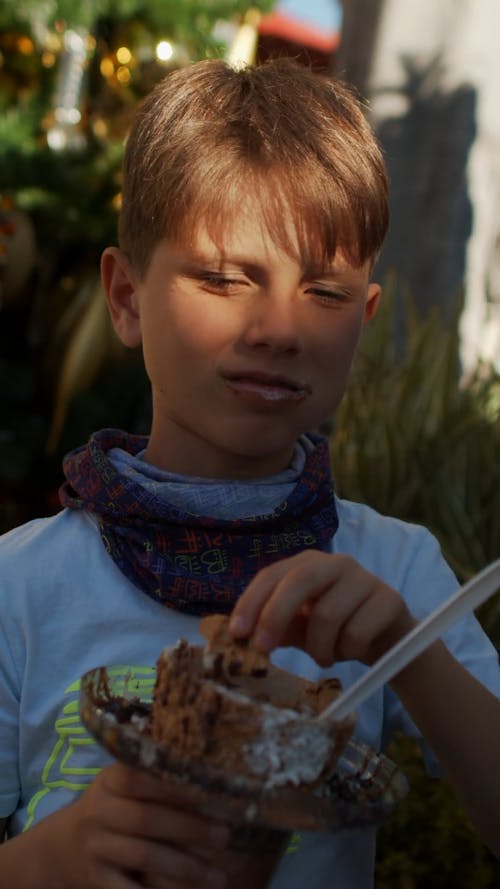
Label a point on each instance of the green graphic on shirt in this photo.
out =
(75, 758)
(69, 764)
(294, 844)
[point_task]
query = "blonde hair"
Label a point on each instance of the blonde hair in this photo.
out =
(208, 135)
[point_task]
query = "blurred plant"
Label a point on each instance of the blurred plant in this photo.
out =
(414, 441)
(428, 843)
(71, 74)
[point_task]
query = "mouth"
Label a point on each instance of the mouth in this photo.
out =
(266, 387)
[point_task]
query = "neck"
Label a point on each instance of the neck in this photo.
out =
(182, 452)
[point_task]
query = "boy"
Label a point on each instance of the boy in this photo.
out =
(254, 206)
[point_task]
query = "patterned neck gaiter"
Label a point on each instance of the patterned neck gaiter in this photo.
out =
(194, 563)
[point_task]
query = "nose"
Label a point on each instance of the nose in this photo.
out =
(273, 323)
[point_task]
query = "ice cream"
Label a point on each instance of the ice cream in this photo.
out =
(227, 706)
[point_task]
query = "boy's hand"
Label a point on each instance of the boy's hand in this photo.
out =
(326, 604)
(132, 830)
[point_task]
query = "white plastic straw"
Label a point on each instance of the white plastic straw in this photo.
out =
(467, 598)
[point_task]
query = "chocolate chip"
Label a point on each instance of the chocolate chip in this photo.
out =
(234, 667)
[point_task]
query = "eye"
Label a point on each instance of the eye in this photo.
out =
(326, 295)
(218, 283)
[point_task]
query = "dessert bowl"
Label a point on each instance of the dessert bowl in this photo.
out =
(241, 739)
(363, 788)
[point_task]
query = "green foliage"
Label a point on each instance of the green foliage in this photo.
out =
(70, 194)
(66, 200)
(428, 842)
(187, 21)
(17, 385)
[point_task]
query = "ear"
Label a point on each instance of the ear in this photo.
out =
(120, 285)
(372, 301)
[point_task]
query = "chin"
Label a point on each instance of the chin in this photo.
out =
(267, 454)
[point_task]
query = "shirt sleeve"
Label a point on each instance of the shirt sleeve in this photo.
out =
(429, 581)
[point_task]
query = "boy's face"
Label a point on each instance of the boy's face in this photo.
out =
(246, 347)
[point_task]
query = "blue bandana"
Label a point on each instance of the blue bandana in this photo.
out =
(194, 563)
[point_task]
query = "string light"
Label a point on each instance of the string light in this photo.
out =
(123, 75)
(107, 67)
(48, 59)
(25, 46)
(164, 51)
(123, 55)
(64, 130)
(100, 128)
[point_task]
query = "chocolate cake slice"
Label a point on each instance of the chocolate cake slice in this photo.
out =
(225, 705)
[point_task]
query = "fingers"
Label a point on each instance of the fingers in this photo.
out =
(133, 803)
(112, 879)
(131, 823)
(381, 621)
(328, 634)
(163, 823)
(276, 594)
(124, 781)
(155, 882)
(328, 605)
(164, 863)
(310, 594)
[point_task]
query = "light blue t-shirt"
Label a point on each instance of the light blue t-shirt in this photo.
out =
(65, 608)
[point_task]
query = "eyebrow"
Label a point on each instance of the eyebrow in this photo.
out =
(333, 271)
(321, 271)
(194, 260)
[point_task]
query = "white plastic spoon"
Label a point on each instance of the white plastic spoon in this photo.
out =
(467, 598)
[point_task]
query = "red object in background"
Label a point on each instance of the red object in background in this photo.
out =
(302, 34)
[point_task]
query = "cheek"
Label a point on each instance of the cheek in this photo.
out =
(186, 336)
(199, 322)
(338, 345)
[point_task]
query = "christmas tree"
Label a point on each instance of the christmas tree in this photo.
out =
(71, 75)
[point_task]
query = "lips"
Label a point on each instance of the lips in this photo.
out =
(266, 387)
